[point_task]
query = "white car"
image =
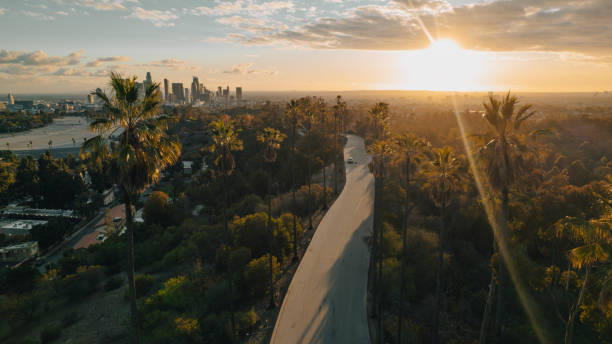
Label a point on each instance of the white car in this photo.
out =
(349, 161)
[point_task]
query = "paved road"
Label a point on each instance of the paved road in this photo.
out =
(326, 300)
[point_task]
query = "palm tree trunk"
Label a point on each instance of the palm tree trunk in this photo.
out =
(486, 316)
(229, 266)
(380, 261)
(375, 246)
(131, 270)
(500, 266)
(436, 320)
(569, 330)
(294, 203)
(324, 187)
(309, 183)
(336, 155)
(400, 317)
(271, 234)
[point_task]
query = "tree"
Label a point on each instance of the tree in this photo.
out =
(225, 141)
(442, 182)
(595, 236)
(502, 156)
(380, 116)
(409, 149)
(293, 117)
(381, 153)
(308, 122)
(271, 138)
(339, 110)
(143, 151)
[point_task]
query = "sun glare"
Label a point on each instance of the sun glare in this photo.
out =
(443, 66)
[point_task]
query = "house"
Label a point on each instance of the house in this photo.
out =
(108, 196)
(20, 227)
(19, 252)
(187, 167)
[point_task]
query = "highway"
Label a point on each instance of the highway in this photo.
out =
(326, 300)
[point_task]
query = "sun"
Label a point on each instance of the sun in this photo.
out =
(443, 66)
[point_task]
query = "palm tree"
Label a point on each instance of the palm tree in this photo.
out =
(339, 109)
(30, 142)
(293, 117)
(225, 141)
(309, 119)
(380, 116)
(502, 155)
(144, 150)
(321, 110)
(381, 152)
(595, 236)
(8, 146)
(442, 182)
(50, 143)
(271, 138)
(409, 150)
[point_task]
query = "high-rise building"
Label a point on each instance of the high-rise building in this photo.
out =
(187, 99)
(166, 90)
(226, 94)
(239, 93)
(148, 81)
(90, 98)
(141, 87)
(11, 99)
(195, 89)
(177, 91)
(219, 91)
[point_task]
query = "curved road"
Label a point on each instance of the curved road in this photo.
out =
(326, 300)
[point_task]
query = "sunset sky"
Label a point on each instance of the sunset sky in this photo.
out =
(55, 46)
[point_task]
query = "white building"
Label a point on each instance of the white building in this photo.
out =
(19, 252)
(20, 227)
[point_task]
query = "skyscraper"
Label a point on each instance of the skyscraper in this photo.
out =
(148, 81)
(195, 89)
(11, 99)
(187, 99)
(177, 91)
(166, 90)
(239, 93)
(90, 98)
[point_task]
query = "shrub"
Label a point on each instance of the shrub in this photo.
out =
(246, 320)
(70, 319)
(257, 274)
(144, 283)
(113, 283)
(50, 333)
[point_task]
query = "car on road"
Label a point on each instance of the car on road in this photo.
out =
(349, 161)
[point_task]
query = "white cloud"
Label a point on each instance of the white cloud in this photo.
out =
(158, 18)
(2, 10)
(247, 68)
(244, 7)
(38, 58)
(102, 60)
(103, 5)
(61, 13)
(37, 15)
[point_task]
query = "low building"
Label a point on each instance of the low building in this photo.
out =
(19, 252)
(27, 212)
(187, 167)
(20, 227)
(108, 196)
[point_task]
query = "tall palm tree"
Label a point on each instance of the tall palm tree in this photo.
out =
(381, 153)
(320, 107)
(443, 180)
(225, 140)
(50, 143)
(380, 116)
(338, 110)
(309, 120)
(502, 156)
(409, 149)
(144, 150)
(271, 138)
(293, 117)
(595, 236)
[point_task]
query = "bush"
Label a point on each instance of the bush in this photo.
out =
(144, 283)
(113, 283)
(83, 282)
(257, 274)
(246, 320)
(70, 319)
(50, 333)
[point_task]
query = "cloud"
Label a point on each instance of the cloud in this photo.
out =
(38, 58)
(165, 63)
(158, 18)
(247, 68)
(61, 13)
(103, 5)
(509, 25)
(102, 60)
(37, 15)
(244, 7)
(2, 10)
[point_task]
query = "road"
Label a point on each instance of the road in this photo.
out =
(326, 300)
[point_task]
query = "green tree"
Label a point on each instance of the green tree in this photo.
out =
(380, 117)
(502, 155)
(409, 149)
(225, 141)
(381, 154)
(309, 120)
(271, 139)
(144, 150)
(443, 180)
(293, 117)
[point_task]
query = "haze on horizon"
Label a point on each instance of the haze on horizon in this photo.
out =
(52, 46)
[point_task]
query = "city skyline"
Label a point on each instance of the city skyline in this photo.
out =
(309, 45)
